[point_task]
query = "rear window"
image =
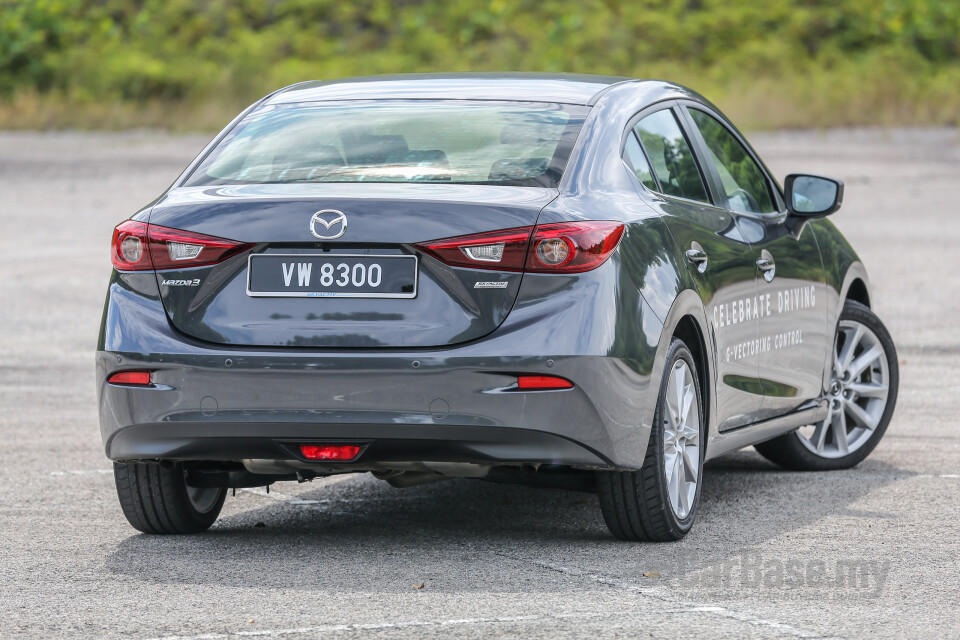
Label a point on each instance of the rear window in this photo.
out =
(433, 141)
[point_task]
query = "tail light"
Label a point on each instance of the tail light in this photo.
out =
(129, 247)
(563, 247)
(572, 247)
(174, 249)
(138, 246)
(504, 250)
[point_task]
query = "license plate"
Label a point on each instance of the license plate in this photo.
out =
(331, 276)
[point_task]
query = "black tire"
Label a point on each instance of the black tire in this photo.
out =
(789, 450)
(636, 504)
(155, 499)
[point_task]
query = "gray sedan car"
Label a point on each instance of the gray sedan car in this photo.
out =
(573, 281)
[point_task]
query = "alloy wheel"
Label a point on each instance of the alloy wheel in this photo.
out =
(857, 394)
(203, 499)
(681, 439)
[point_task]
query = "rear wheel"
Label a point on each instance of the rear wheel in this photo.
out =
(156, 499)
(861, 397)
(659, 502)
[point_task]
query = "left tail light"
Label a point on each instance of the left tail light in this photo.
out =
(138, 246)
(129, 247)
(563, 247)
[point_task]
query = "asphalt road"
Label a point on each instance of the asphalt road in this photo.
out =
(869, 552)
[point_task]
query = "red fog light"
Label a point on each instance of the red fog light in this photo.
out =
(543, 383)
(329, 452)
(130, 378)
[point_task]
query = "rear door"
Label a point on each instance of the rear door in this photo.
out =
(720, 260)
(794, 334)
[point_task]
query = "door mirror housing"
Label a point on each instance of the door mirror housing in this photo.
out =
(810, 196)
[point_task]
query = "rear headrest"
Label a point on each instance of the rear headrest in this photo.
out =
(435, 157)
(327, 154)
(518, 168)
(311, 156)
(378, 150)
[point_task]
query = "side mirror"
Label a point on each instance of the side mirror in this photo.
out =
(811, 196)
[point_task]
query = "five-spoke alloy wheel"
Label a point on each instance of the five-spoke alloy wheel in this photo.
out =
(659, 502)
(860, 399)
(681, 439)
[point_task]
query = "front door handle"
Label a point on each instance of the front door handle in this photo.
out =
(697, 256)
(767, 265)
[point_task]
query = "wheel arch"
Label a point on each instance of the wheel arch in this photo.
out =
(687, 321)
(856, 286)
(858, 292)
(845, 276)
(691, 334)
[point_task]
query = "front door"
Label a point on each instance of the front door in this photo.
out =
(791, 369)
(791, 284)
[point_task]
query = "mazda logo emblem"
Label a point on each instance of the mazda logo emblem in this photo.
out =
(329, 226)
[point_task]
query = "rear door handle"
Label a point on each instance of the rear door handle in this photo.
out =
(767, 265)
(697, 256)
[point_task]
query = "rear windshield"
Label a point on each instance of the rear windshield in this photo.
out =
(445, 141)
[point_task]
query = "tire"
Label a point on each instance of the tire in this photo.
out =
(821, 447)
(639, 505)
(155, 499)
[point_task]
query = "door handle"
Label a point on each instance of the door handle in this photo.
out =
(767, 265)
(696, 255)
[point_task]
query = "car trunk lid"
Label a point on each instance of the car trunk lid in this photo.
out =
(290, 298)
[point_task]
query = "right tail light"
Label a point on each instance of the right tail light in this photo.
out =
(562, 247)
(572, 247)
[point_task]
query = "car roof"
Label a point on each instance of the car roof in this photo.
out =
(563, 88)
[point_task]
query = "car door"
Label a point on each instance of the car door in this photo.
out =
(720, 262)
(791, 283)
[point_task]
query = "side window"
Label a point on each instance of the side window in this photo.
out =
(633, 155)
(743, 181)
(671, 157)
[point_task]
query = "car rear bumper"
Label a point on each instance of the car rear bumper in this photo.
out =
(380, 444)
(455, 404)
(465, 411)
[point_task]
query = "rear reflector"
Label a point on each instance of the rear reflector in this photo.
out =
(131, 378)
(329, 452)
(543, 382)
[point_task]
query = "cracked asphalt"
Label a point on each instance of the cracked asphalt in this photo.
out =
(868, 552)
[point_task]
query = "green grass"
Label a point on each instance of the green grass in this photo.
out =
(191, 66)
